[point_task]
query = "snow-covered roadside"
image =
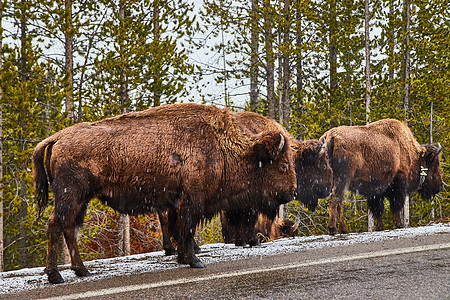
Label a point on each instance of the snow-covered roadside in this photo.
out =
(15, 281)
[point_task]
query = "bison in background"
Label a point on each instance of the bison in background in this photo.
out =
(314, 179)
(265, 229)
(188, 159)
(379, 160)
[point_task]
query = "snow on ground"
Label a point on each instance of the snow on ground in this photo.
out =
(15, 281)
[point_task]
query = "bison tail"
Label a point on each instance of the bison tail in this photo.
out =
(40, 174)
(330, 148)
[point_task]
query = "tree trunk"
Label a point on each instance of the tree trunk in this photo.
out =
(333, 49)
(123, 82)
(407, 15)
(68, 52)
(68, 33)
(156, 37)
(367, 46)
(23, 253)
(391, 43)
(124, 219)
(299, 65)
(286, 68)
(432, 213)
(269, 60)
(124, 235)
(280, 78)
(370, 222)
(254, 70)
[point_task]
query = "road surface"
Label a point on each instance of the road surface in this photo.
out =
(404, 268)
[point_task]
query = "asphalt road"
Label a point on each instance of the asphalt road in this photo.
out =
(405, 268)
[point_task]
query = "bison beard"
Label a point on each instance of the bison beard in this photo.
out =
(187, 159)
(379, 160)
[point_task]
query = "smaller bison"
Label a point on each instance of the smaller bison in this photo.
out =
(314, 179)
(190, 160)
(379, 160)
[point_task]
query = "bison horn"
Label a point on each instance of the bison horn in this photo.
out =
(439, 149)
(323, 148)
(281, 145)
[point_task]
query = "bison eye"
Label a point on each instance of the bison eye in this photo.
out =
(284, 167)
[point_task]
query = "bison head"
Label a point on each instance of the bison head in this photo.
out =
(314, 174)
(431, 173)
(289, 228)
(272, 158)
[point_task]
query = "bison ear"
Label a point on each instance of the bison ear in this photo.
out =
(269, 145)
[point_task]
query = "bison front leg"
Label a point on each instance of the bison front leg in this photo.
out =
(340, 208)
(336, 211)
(188, 218)
(168, 247)
(249, 228)
(332, 213)
(397, 199)
(376, 206)
(54, 231)
(228, 230)
(397, 211)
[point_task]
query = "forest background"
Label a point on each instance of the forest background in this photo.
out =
(311, 65)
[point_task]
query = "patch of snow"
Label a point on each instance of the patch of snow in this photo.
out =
(31, 278)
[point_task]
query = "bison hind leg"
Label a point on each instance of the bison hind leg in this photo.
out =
(54, 230)
(71, 222)
(54, 276)
(376, 206)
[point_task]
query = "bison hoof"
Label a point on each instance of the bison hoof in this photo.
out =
(196, 264)
(81, 272)
(170, 251)
(332, 230)
(240, 243)
(399, 225)
(54, 276)
(254, 243)
(343, 231)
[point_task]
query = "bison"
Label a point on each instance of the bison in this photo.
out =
(265, 229)
(314, 179)
(189, 159)
(379, 160)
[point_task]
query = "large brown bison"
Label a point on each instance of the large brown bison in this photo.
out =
(314, 179)
(191, 160)
(379, 160)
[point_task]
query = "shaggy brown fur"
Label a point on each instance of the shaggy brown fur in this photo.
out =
(191, 160)
(381, 159)
(314, 179)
